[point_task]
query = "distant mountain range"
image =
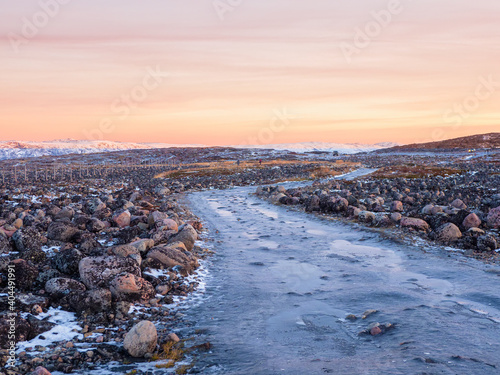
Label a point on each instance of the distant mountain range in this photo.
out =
(25, 149)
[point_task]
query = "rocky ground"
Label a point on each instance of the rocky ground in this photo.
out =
(114, 247)
(105, 237)
(448, 200)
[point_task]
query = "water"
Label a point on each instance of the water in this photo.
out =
(282, 283)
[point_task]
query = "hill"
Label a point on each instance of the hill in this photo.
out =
(480, 141)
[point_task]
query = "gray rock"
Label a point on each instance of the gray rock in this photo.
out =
(60, 287)
(187, 235)
(60, 231)
(97, 272)
(141, 339)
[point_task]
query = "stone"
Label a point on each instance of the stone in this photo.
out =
(414, 224)
(95, 225)
(493, 218)
(143, 245)
(141, 339)
(92, 301)
(173, 337)
(458, 203)
(122, 218)
(187, 235)
(123, 250)
(60, 287)
(487, 243)
(171, 257)
(95, 205)
(471, 221)
(67, 261)
(41, 371)
(28, 238)
(128, 287)
(397, 206)
(396, 217)
(96, 272)
(366, 216)
(61, 231)
(448, 232)
(65, 213)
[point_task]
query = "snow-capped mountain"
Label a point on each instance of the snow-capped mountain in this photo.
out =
(349, 148)
(26, 149)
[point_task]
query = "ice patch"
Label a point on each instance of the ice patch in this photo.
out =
(66, 329)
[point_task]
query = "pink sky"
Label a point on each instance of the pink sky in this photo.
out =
(82, 70)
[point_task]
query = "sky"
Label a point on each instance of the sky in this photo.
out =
(228, 72)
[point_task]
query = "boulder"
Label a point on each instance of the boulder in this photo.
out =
(28, 238)
(141, 339)
(187, 235)
(95, 205)
(65, 213)
(487, 242)
(60, 287)
(169, 256)
(493, 218)
(397, 206)
(122, 218)
(128, 287)
(97, 272)
(471, 221)
(366, 216)
(92, 301)
(95, 225)
(143, 245)
(61, 231)
(448, 232)
(458, 203)
(67, 261)
(414, 224)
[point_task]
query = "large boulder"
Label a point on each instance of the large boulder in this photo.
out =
(187, 235)
(97, 272)
(471, 221)
(128, 287)
(60, 287)
(61, 231)
(170, 256)
(493, 218)
(141, 339)
(448, 232)
(414, 224)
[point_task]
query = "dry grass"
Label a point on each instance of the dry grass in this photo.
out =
(414, 171)
(226, 168)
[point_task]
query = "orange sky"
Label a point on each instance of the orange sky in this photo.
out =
(259, 72)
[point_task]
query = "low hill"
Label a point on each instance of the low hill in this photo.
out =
(480, 141)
